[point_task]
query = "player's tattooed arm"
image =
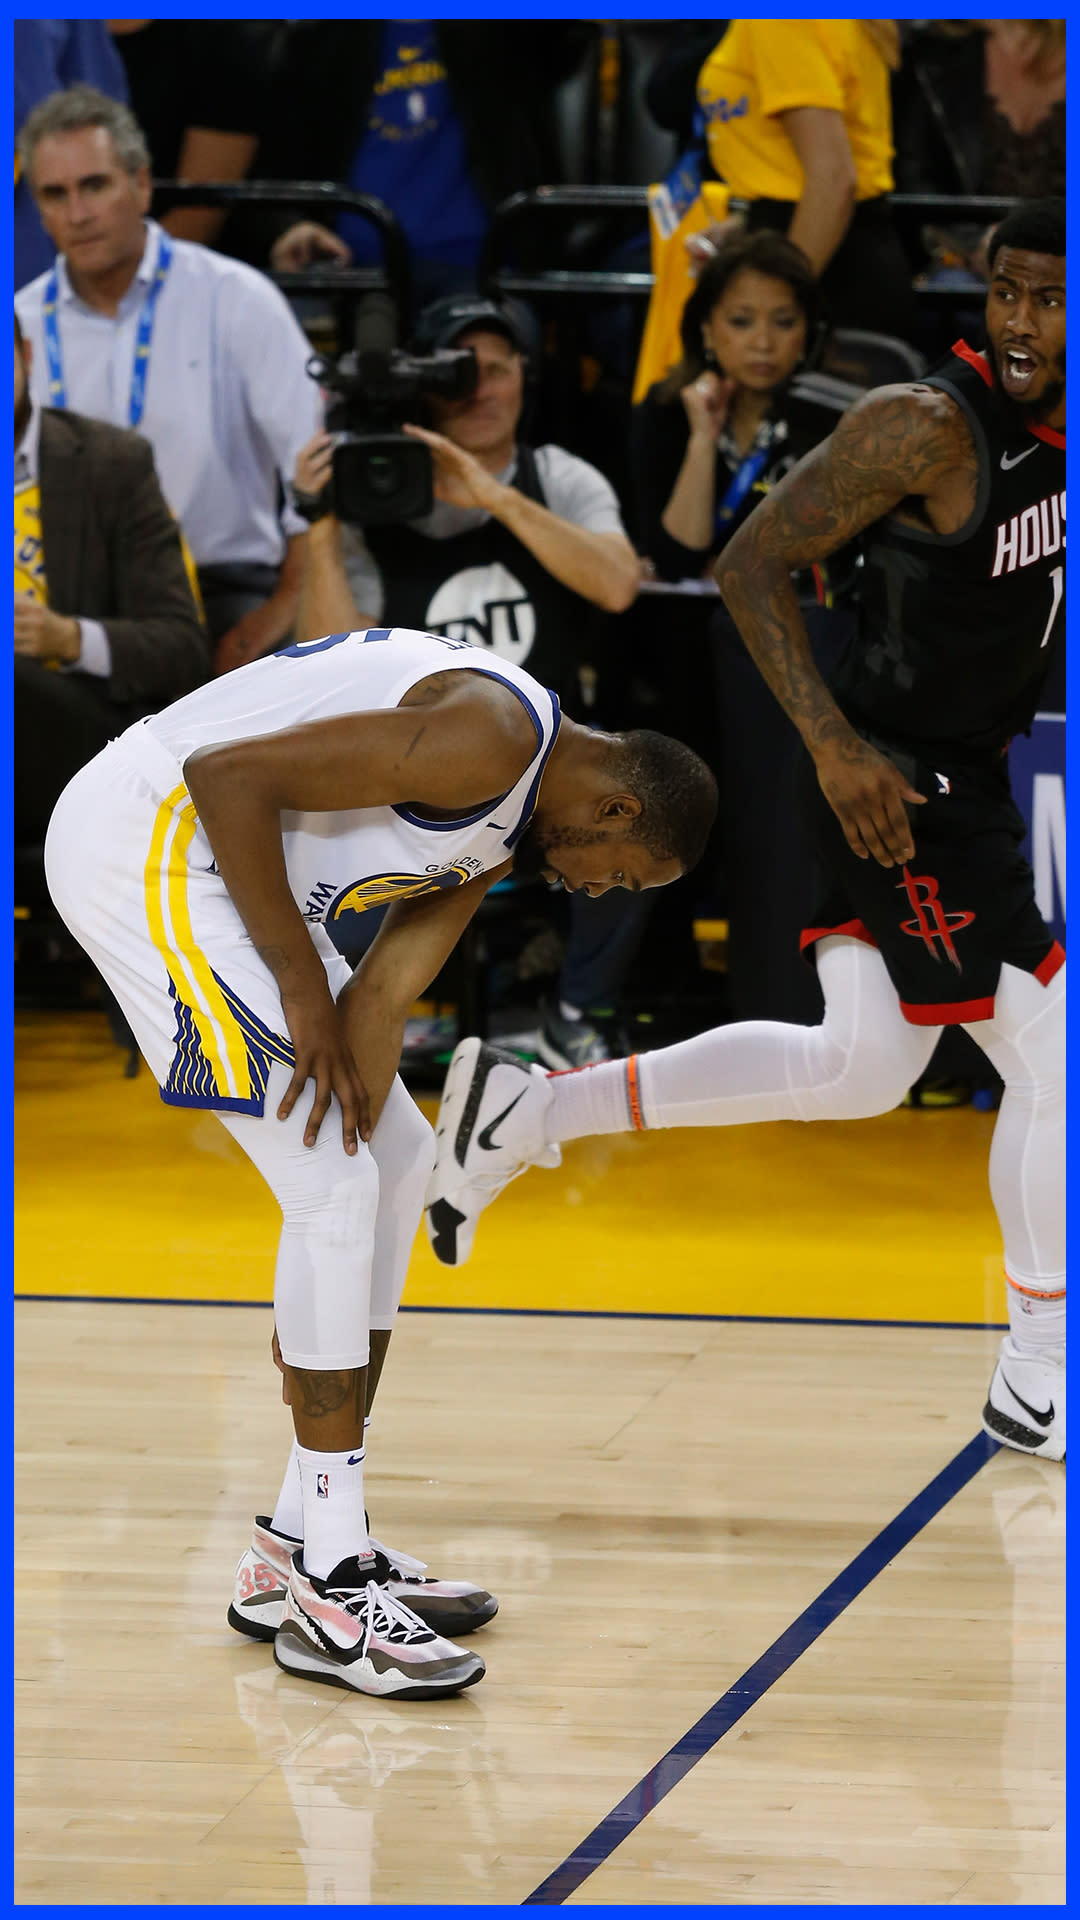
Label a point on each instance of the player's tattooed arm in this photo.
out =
(896, 444)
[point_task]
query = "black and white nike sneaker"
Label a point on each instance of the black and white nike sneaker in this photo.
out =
(1025, 1407)
(350, 1632)
(490, 1127)
(448, 1607)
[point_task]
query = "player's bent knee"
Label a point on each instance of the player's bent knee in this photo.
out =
(857, 1082)
(852, 1098)
(335, 1207)
(418, 1146)
(403, 1144)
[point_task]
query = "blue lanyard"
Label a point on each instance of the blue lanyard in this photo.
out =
(143, 336)
(672, 199)
(743, 479)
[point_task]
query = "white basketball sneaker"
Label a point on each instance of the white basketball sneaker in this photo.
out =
(262, 1576)
(1025, 1407)
(350, 1632)
(490, 1127)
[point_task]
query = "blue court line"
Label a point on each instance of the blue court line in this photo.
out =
(552, 1313)
(601, 1843)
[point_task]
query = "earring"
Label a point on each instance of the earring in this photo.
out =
(710, 359)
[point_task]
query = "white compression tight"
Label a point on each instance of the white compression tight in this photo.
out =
(861, 1061)
(348, 1221)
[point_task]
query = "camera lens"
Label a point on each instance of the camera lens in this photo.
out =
(383, 474)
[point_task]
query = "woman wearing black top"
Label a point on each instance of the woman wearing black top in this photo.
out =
(712, 437)
(708, 441)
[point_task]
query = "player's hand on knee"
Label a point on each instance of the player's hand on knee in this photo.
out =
(322, 1053)
(870, 797)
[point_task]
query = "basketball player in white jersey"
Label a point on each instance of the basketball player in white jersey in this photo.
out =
(200, 859)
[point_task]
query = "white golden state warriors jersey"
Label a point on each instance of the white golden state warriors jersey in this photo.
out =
(340, 864)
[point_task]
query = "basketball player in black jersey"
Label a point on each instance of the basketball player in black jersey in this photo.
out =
(928, 914)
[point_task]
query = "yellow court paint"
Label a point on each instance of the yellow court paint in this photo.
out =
(887, 1219)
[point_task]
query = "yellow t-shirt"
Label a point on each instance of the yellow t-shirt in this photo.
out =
(29, 551)
(762, 68)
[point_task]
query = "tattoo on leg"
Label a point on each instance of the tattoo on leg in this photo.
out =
(325, 1393)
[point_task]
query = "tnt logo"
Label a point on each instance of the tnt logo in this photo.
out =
(488, 607)
(931, 922)
(322, 1486)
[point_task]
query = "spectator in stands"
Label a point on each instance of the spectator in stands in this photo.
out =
(709, 439)
(49, 55)
(979, 108)
(200, 354)
(798, 124)
(106, 628)
(707, 444)
(522, 553)
(198, 90)
(440, 119)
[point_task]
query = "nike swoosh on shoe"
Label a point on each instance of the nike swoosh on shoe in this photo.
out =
(485, 1137)
(1044, 1419)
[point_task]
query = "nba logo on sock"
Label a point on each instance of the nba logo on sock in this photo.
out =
(322, 1486)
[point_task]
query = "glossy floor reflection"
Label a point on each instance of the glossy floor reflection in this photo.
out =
(654, 1504)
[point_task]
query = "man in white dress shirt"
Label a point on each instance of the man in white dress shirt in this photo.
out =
(199, 353)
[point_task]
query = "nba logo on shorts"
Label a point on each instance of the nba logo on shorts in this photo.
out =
(322, 1486)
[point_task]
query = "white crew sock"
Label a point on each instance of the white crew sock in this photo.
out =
(288, 1515)
(592, 1100)
(1036, 1319)
(334, 1523)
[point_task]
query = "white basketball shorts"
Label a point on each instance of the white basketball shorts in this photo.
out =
(133, 876)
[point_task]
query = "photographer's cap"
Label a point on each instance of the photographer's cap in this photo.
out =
(443, 322)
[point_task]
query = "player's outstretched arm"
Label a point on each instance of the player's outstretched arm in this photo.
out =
(460, 740)
(896, 443)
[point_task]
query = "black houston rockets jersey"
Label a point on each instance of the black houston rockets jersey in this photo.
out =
(955, 630)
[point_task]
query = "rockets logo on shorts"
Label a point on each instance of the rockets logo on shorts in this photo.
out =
(932, 922)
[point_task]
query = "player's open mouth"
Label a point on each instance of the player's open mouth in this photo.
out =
(1017, 369)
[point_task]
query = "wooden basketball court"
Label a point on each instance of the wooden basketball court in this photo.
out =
(776, 1625)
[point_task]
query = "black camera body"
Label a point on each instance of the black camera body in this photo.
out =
(380, 475)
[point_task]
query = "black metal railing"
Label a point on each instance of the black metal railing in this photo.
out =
(544, 209)
(313, 200)
(547, 205)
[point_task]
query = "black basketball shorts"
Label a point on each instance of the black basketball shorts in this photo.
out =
(945, 923)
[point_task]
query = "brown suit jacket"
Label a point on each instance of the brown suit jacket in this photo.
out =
(112, 553)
